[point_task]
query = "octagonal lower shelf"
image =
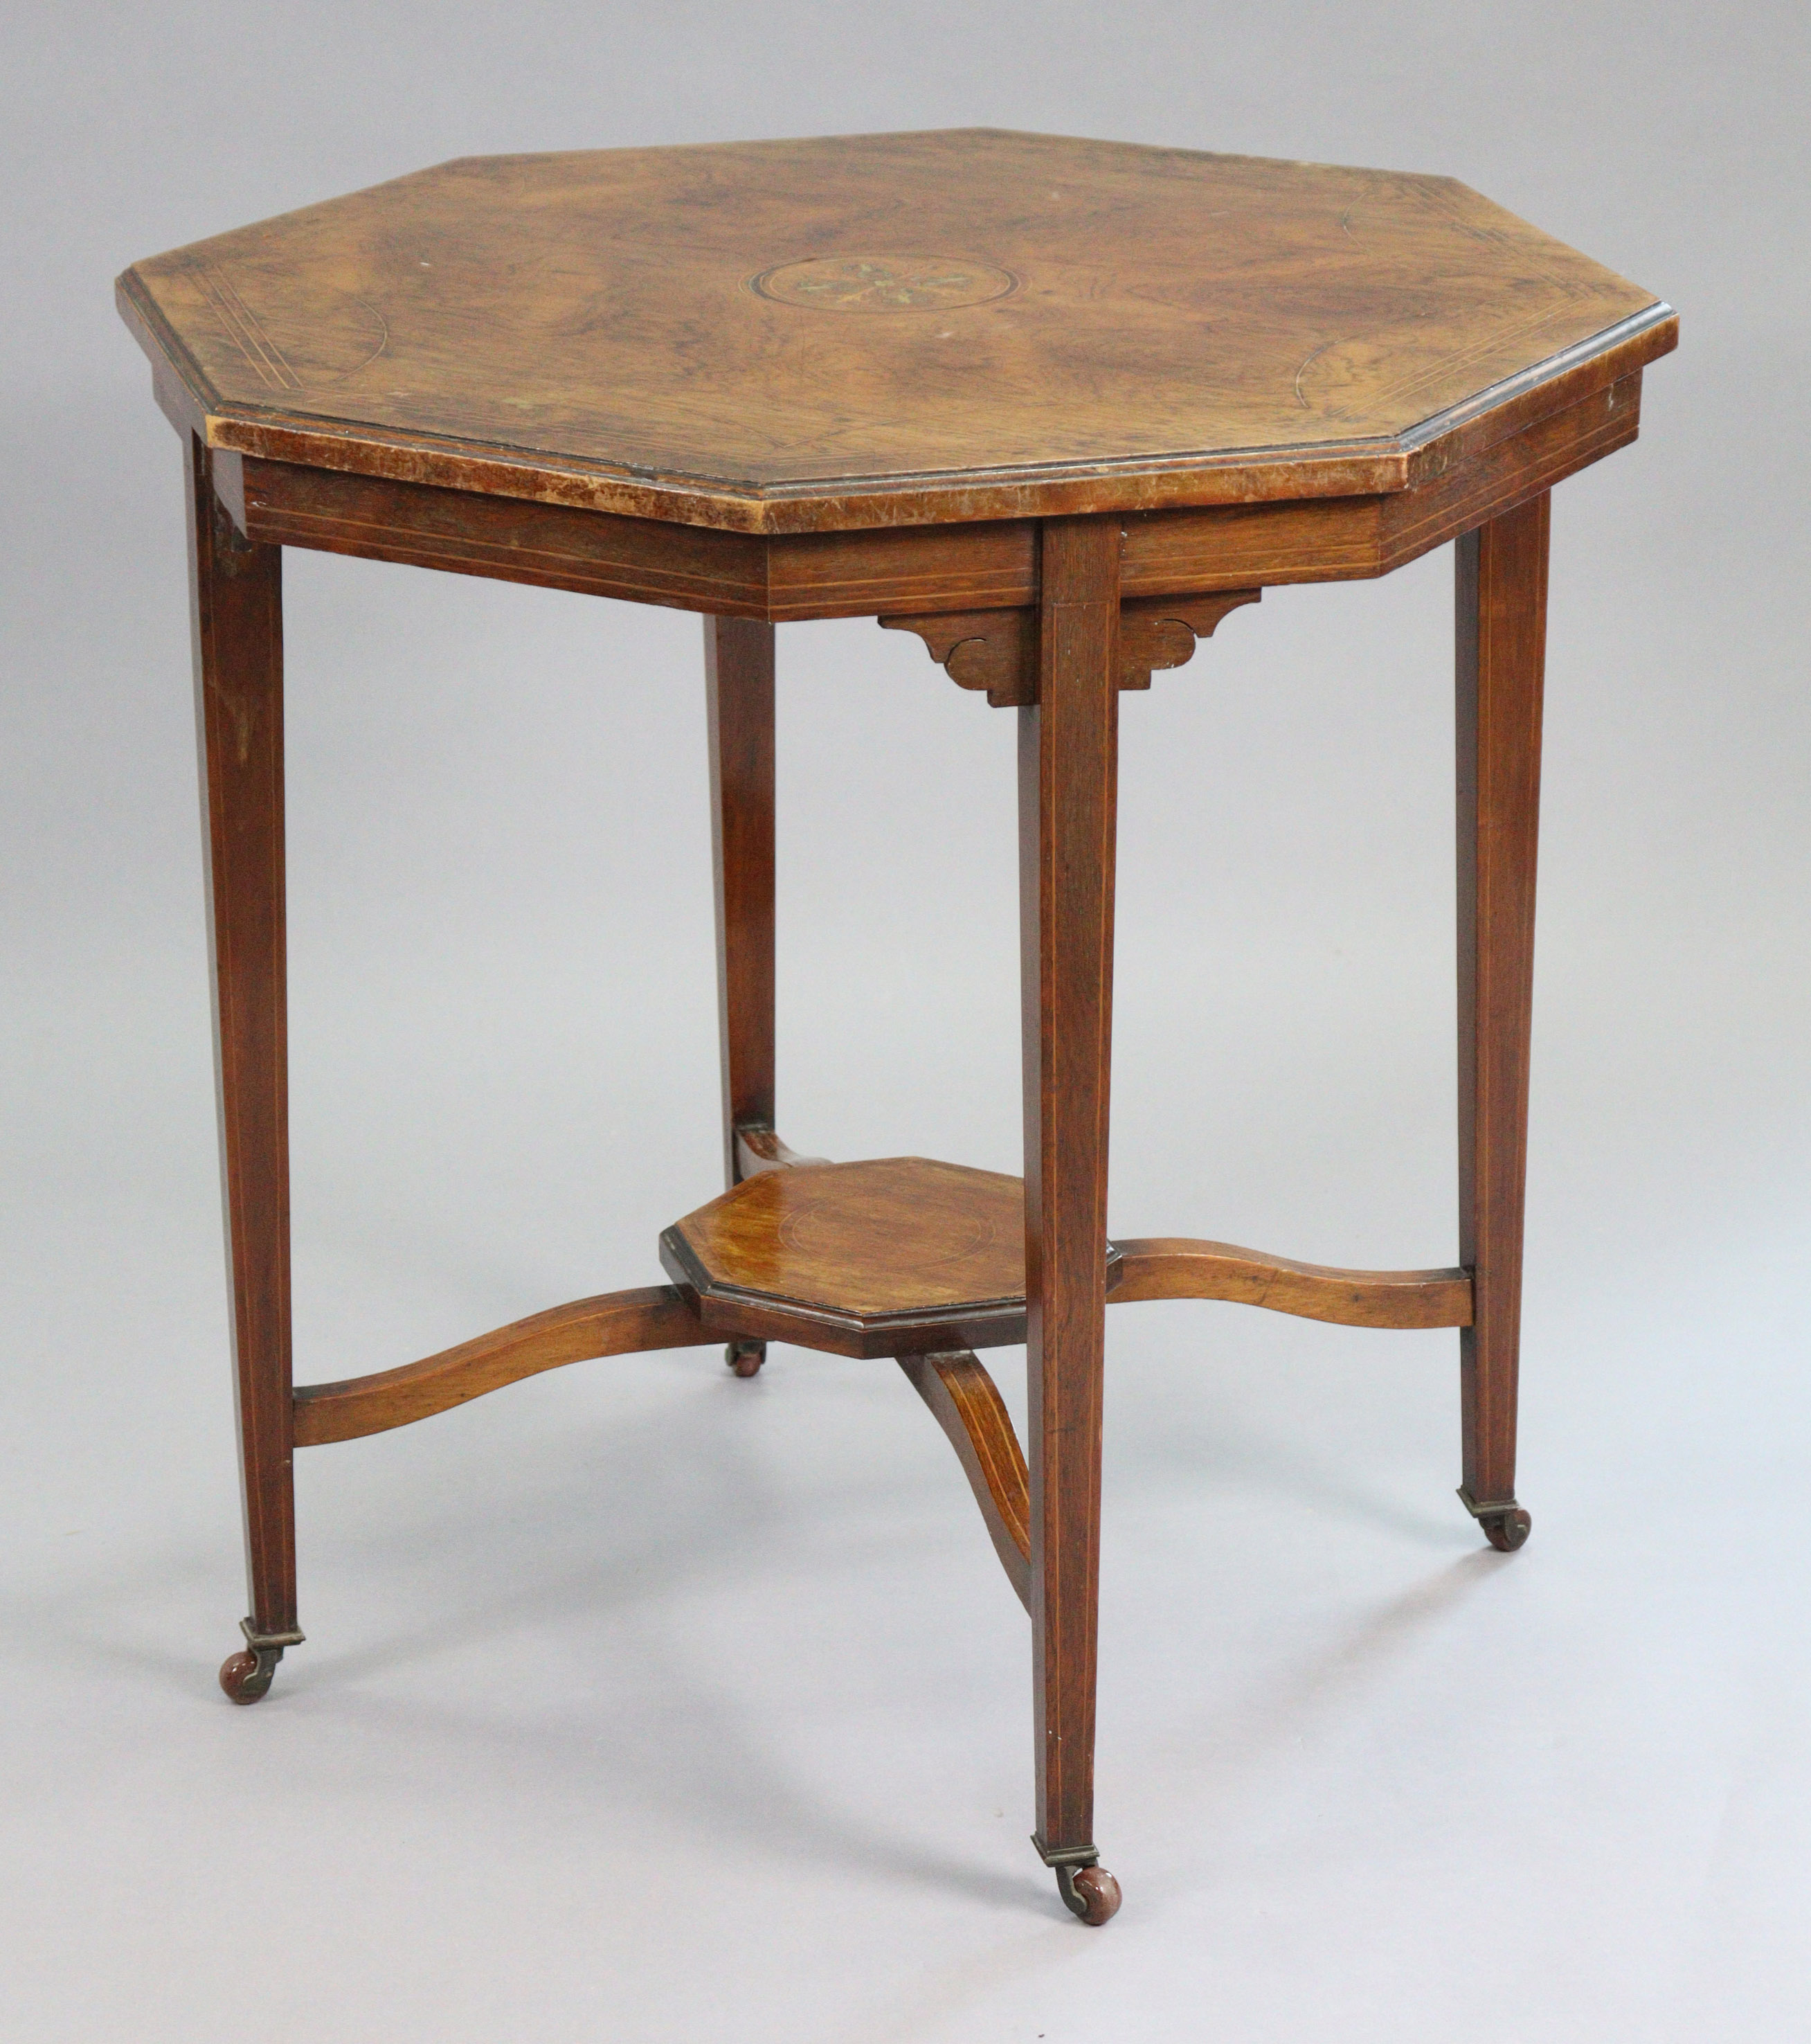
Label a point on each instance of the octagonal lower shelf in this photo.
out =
(896, 1256)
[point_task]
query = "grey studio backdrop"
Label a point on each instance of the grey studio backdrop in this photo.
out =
(644, 1703)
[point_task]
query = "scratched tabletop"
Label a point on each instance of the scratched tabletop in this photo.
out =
(795, 315)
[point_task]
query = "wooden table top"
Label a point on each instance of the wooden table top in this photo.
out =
(887, 329)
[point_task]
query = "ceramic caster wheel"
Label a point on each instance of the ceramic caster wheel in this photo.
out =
(247, 1676)
(1506, 1531)
(745, 1357)
(1090, 1892)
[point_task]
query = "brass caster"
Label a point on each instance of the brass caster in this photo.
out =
(1503, 1522)
(247, 1676)
(745, 1357)
(1087, 1889)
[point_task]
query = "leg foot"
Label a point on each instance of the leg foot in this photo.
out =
(1090, 1892)
(1504, 1524)
(246, 1675)
(1087, 1889)
(745, 1357)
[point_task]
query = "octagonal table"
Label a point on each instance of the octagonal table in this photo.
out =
(1056, 407)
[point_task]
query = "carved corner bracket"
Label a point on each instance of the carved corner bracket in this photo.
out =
(1164, 631)
(996, 651)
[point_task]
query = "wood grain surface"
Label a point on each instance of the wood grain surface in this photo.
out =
(996, 651)
(235, 596)
(980, 568)
(654, 1316)
(882, 329)
(758, 1149)
(966, 1404)
(1177, 1267)
(1068, 796)
(738, 709)
(889, 1235)
(1501, 602)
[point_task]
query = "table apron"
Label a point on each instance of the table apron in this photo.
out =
(920, 569)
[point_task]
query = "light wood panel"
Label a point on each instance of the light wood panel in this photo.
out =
(895, 1255)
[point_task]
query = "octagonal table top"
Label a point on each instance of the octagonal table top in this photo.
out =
(887, 329)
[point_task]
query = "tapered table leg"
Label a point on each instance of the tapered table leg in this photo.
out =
(1502, 585)
(1068, 757)
(236, 593)
(739, 674)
